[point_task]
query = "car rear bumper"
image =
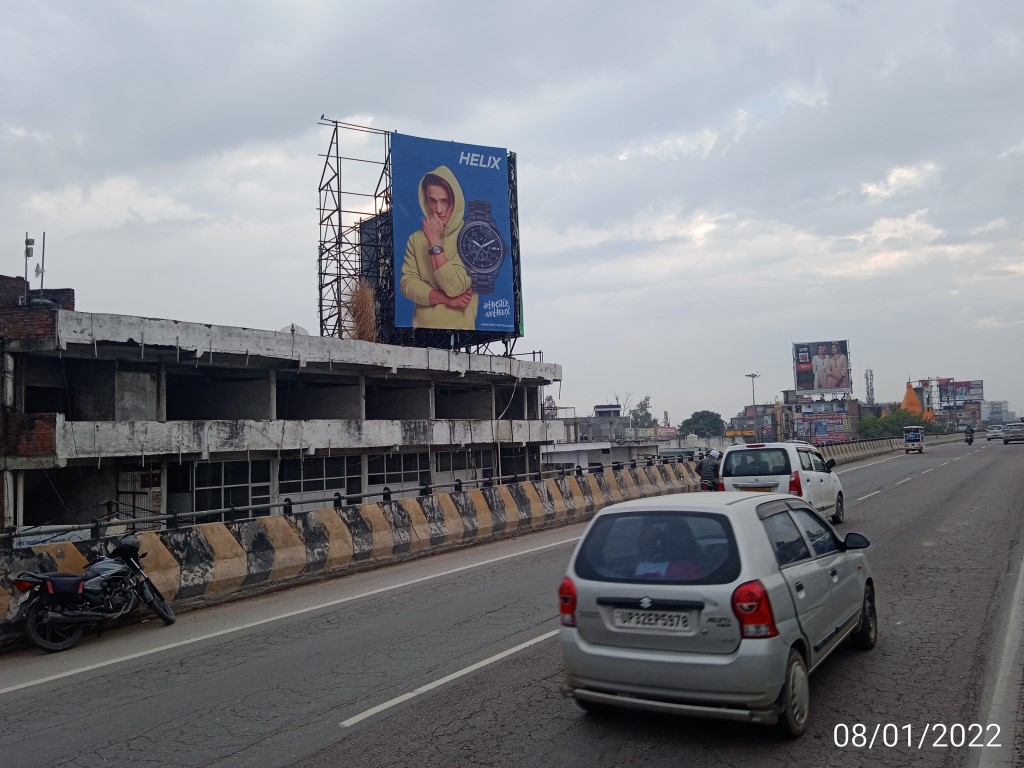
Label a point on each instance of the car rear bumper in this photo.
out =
(766, 716)
(742, 685)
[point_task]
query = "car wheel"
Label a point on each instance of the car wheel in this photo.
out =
(866, 635)
(795, 699)
(840, 513)
(1006, 442)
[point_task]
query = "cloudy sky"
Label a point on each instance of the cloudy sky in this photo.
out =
(701, 184)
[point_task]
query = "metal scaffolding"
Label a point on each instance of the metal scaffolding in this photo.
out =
(342, 260)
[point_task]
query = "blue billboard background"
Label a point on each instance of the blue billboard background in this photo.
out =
(482, 175)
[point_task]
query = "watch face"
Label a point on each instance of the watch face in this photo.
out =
(480, 246)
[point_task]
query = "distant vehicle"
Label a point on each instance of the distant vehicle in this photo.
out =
(1013, 433)
(913, 439)
(711, 605)
(993, 432)
(791, 468)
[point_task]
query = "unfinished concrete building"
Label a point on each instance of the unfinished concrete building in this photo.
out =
(121, 416)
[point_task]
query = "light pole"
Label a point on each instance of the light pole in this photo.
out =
(753, 402)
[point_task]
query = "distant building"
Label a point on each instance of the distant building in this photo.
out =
(997, 412)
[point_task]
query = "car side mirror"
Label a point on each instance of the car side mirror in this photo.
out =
(830, 464)
(856, 541)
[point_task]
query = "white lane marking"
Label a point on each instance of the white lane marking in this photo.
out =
(1003, 706)
(943, 463)
(927, 471)
(865, 466)
(288, 615)
(904, 480)
(861, 498)
(958, 458)
(446, 679)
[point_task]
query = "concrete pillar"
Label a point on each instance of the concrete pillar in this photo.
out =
(272, 389)
(161, 393)
(9, 500)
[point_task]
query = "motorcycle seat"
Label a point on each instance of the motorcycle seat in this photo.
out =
(65, 583)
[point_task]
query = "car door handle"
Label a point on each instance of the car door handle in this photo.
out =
(799, 586)
(834, 574)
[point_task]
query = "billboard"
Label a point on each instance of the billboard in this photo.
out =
(969, 391)
(452, 232)
(947, 393)
(822, 366)
(955, 394)
(823, 428)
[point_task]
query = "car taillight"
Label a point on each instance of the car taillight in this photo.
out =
(795, 487)
(567, 602)
(721, 484)
(23, 586)
(752, 607)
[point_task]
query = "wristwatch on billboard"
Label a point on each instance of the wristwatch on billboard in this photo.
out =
(481, 246)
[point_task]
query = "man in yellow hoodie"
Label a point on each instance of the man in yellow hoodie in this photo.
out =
(433, 275)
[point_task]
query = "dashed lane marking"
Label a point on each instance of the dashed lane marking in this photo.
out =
(442, 681)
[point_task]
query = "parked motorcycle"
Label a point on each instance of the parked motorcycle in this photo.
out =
(60, 605)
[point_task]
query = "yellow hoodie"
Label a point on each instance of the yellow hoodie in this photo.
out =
(419, 276)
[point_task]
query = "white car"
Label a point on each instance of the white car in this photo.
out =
(994, 432)
(794, 468)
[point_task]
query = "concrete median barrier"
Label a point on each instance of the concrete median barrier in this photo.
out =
(216, 562)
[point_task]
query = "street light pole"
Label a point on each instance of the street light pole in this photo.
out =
(753, 401)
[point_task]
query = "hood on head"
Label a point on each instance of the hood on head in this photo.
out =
(459, 209)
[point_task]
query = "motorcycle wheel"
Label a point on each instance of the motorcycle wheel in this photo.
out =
(52, 638)
(155, 600)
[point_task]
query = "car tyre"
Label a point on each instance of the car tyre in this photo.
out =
(840, 513)
(795, 699)
(865, 637)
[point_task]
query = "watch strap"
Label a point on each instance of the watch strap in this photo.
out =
(484, 284)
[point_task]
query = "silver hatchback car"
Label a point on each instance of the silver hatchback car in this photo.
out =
(711, 605)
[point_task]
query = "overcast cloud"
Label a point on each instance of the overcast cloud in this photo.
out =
(700, 184)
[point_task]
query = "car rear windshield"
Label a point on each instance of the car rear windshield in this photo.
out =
(662, 547)
(756, 461)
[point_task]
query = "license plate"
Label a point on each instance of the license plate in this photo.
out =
(758, 488)
(671, 620)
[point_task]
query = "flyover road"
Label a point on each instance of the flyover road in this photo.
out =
(452, 660)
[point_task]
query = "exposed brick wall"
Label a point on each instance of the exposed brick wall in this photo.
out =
(12, 293)
(30, 434)
(27, 323)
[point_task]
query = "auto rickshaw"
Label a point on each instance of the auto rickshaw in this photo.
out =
(913, 439)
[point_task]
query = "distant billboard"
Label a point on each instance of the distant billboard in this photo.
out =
(956, 394)
(947, 393)
(822, 366)
(823, 427)
(969, 391)
(452, 233)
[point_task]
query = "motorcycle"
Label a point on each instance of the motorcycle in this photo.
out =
(58, 606)
(969, 439)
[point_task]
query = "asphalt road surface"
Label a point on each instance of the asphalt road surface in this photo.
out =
(452, 660)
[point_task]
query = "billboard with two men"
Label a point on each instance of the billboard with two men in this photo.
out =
(452, 229)
(822, 366)
(954, 394)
